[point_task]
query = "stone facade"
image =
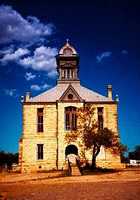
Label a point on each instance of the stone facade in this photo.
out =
(54, 130)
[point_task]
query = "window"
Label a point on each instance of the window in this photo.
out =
(72, 74)
(40, 119)
(70, 96)
(63, 74)
(68, 73)
(40, 151)
(100, 118)
(67, 51)
(70, 118)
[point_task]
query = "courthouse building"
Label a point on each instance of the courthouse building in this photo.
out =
(48, 117)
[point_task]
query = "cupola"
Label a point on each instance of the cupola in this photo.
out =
(67, 64)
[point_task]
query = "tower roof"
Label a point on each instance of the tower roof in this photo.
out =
(67, 50)
(68, 81)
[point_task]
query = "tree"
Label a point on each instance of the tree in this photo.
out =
(135, 155)
(123, 154)
(91, 136)
(8, 159)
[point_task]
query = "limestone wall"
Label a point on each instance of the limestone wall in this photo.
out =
(30, 138)
(30, 120)
(110, 121)
(62, 131)
(53, 136)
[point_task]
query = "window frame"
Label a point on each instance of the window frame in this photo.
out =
(100, 112)
(70, 118)
(40, 151)
(40, 120)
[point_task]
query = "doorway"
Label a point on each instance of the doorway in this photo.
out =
(71, 149)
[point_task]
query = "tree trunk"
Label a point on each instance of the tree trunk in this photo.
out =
(96, 150)
(93, 166)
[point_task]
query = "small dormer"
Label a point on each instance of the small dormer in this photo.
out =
(67, 64)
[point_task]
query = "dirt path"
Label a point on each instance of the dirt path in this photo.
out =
(117, 186)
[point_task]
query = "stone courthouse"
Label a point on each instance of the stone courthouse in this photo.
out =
(49, 116)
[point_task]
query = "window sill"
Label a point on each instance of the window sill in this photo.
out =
(38, 160)
(40, 132)
(71, 130)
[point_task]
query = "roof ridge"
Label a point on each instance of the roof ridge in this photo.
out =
(55, 93)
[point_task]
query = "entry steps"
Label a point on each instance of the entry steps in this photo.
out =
(72, 165)
(75, 171)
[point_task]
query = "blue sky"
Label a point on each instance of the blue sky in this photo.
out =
(107, 38)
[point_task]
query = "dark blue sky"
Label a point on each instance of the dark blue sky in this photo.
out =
(107, 38)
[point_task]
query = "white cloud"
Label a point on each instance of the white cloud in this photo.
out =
(37, 87)
(7, 50)
(52, 74)
(45, 86)
(103, 55)
(29, 76)
(14, 56)
(43, 59)
(10, 92)
(14, 27)
(19, 33)
(124, 51)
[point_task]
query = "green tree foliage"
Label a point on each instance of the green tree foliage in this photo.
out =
(90, 135)
(135, 155)
(8, 159)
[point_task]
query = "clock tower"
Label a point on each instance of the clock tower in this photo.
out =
(67, 64)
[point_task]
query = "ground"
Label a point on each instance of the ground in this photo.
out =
(124, 185)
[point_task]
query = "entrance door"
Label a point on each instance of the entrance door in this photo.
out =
(71, 149)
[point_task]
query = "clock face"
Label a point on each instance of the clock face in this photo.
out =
(67, 52)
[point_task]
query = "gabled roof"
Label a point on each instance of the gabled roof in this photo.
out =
(54, 94)
(70, 91)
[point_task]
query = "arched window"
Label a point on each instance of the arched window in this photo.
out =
(100, 118)
(70, 118)
(67, 51)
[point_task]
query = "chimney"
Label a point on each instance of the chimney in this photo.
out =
(109, 92)
(27, 97)
(22, 99)
(117, 98)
